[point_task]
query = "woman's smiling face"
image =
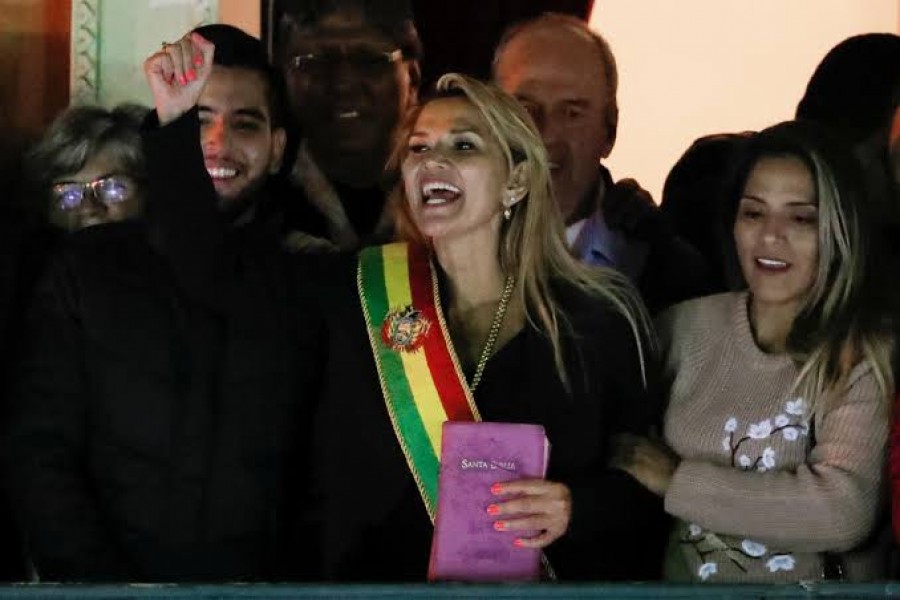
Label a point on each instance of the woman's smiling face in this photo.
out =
(776, 231)
(454, 172)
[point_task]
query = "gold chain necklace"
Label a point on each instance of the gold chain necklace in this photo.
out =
(494, 332)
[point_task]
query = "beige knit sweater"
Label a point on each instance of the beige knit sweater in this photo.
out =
(756, 501)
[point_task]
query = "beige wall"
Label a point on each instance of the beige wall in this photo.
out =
(241, 13)
(693, 67)
(131, 30)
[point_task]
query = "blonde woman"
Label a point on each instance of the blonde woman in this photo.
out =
(483, 305)
(538, 338)
(778, 407)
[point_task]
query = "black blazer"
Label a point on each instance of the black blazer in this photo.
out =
(364, 507)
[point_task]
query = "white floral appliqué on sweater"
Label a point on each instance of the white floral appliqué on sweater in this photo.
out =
(791, 425)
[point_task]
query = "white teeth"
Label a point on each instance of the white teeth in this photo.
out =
(221, 172)
(768, 262)
(348, 114)
(431, 187)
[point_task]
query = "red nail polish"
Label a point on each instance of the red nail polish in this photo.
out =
(190, 75)
(198, 60)
(500, 525)
(493, 509)
(496, 489)
(182, 80)
(518, 542)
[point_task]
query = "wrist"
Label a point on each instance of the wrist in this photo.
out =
(167, 116)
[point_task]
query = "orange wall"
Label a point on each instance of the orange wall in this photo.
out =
(34, 64)
(692, 67)
(241, 13)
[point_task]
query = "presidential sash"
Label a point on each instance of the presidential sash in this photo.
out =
(422, 382)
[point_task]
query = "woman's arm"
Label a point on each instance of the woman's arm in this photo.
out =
(610, 508)
(830, 503)
(182, 207)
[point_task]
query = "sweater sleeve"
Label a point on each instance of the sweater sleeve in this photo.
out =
(66, 532)
(830, 503)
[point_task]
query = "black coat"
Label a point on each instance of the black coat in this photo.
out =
(674, 270)
(368, 517)
(151, 428)
(24, 248)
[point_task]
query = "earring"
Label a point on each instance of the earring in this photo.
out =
(507, 212)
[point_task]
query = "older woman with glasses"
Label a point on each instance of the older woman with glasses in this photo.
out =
(89, 168)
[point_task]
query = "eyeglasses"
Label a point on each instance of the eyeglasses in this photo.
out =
(364, 62)
(109, 191)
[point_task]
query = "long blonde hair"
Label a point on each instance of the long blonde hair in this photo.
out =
(841, 323)
(532, 242)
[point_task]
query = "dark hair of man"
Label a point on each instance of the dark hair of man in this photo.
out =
(560, 20)
(393, 18)
(694, 198)
(238, 49)
(856, 86)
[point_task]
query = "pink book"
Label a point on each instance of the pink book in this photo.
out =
(474, 456)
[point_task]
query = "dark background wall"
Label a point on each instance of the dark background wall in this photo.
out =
(458, 35)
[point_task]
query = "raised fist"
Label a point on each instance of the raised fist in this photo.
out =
(177, 74)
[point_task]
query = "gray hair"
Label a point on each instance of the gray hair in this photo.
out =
(80, 133)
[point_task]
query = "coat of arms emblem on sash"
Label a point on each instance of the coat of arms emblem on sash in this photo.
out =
(404, 329)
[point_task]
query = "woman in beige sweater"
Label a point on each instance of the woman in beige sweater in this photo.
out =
(778, 406)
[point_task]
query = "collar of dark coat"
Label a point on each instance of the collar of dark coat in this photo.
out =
(322, 195)
(594, 198)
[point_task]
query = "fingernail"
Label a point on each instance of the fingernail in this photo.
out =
(191, 75)
(496, 489)
(518, 542)
(500, 525)
(182, 80)
(198, 60)
(493, 509)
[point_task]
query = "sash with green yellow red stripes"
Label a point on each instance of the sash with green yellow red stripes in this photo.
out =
(420, 376)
